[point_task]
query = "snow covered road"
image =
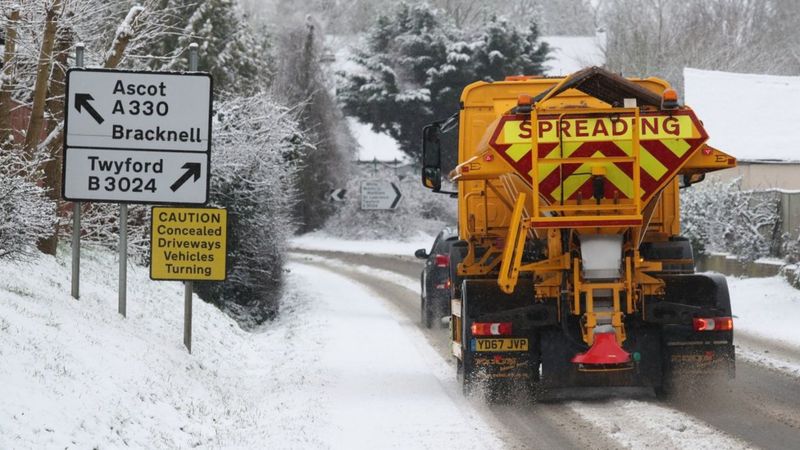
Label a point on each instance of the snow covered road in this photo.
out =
(761, 408)
(380, 384)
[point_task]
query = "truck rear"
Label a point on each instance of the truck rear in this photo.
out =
(570, 267)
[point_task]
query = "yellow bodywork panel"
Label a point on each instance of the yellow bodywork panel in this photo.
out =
(571, 165)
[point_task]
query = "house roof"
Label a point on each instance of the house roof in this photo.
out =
(752, 117)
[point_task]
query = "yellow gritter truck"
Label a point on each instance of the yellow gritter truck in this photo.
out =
(570, 269)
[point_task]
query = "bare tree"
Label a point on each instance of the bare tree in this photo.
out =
(7, 78)
(42, 76)
(125, 32)
(660, 37)
(464, 12)
(51, 167)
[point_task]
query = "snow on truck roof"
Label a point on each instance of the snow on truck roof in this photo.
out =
(752, 117)
(603, 85)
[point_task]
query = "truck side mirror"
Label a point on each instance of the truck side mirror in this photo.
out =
(431, 158)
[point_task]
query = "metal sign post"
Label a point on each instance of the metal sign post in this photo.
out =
(123, 259)
(187, 315)
(76, 213)
(176, 255)
(188, 287)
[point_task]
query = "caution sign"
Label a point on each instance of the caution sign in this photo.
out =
(666, 142)
(188, 244)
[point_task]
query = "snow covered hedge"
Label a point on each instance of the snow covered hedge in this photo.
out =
(254, 148)
(720, 217)
(26, 214)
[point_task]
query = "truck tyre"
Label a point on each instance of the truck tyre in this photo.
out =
(666, 390)
(426, 315)
(465, 376)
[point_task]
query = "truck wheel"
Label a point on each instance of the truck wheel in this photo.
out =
(666, 390)
(466, 378)
(533, 388)
(426, 315)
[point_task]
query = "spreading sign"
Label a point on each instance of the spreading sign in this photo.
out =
(139, 137)
(188, 244)
(666, 142)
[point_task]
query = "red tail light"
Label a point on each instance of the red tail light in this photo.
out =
(712, 323)
(442, 261)
(491, 329)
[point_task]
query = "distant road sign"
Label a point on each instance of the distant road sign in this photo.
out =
(337, 195)
(379, 194)
(188, 244)
(137, 137)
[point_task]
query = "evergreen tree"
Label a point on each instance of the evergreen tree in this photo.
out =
(505, 50)
(236, 53)
(415, 64)
(228, 48)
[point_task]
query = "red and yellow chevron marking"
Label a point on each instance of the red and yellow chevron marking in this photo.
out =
(667, 141)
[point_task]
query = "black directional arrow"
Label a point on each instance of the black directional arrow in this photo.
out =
(192, 169)
(82, 101)
(396, 199)
(337, 195)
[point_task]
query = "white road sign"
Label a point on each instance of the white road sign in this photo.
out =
(138, 110)
(141, 177)
(379, 194)
(337, 195)
(138, 137)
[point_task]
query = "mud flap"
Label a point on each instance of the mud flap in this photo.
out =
(483, 301)
(701, 357)
(713, 356)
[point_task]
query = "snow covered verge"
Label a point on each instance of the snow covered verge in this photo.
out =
(766, 309)
(77, 375)
(321, 240)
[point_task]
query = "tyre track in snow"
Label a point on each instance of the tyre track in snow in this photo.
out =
(541, 426)
(760, 407)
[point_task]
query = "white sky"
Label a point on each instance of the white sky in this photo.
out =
(572, 53)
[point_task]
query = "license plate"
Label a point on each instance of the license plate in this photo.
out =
(500, 345)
